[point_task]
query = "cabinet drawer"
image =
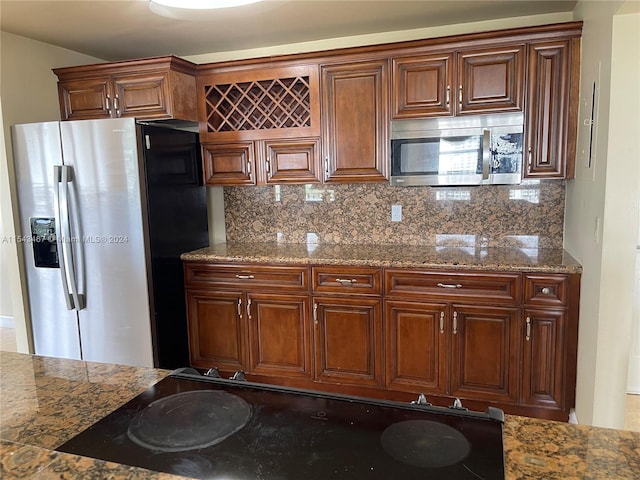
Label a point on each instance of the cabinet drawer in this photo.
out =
(547, 290)
(348, 280)
(477, 287)
(247, 277)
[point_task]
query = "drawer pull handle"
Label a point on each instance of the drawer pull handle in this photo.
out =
(244, 277)
(441, 322)
(546, 291)
(528, 336)
(449, 285)
(345, 281)
(455, 323)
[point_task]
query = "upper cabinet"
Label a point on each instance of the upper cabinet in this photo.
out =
(464, 82)
(355, 121)
(552, 108)
(260, 125)
(149, 89)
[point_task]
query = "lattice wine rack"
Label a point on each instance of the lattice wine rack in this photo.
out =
(258, 105)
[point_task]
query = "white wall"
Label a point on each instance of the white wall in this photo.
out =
(601, 216)
(28, 93)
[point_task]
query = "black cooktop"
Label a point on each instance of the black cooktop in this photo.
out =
(210, 428)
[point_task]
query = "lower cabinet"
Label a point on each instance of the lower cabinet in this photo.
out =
(484, 353)
(505, 339)
(348, 341)
(278, 334)
(543, 358)
(216, 330)
(456, 350)
(416, 347)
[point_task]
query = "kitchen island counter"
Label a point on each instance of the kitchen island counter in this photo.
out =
(450, 257)
(46, 401)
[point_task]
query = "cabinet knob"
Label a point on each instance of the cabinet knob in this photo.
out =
(546, 291)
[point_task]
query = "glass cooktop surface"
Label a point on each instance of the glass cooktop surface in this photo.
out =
(210, 428)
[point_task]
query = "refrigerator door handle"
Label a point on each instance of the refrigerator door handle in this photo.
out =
(60, 234)
(78, 281)
(68, 257)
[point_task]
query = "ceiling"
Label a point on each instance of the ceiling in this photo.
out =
(123, 29)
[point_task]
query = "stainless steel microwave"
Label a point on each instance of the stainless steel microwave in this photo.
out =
(470, 150)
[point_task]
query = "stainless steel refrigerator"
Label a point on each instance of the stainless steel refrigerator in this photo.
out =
(106, 208)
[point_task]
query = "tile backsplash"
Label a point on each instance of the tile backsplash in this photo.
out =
(529, 215)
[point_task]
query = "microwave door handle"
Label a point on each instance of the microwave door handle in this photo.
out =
(486, 153)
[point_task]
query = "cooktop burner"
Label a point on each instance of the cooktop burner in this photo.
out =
(189, 420)
(210, 428)
(425, 444)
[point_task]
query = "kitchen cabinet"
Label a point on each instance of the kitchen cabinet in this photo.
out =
(454, 347)
(416, 347)
(471, 81)
(502, 338)
(250, 318)
(484, 353)
(347, 325)
(355, 128)
(550, 338)
(260, 125)
(149, 89)
(552, 108)
(261, 162)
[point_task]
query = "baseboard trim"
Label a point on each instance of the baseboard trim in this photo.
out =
(6, 322)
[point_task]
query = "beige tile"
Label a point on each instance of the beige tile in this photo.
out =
(632, 413)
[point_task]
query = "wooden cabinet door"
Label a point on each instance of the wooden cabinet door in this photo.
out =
(216, 330)
(292, 161)
(278, 335)
(416, 347)
(491, 80)
(85, 99)
(550, 123)
(355, 121)
(348, 341)
(421, 86)
(144, 96)
(228, 163)
(542, 369)
(484, 353)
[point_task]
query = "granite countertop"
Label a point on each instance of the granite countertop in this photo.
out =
(436, 257)
(46, 401)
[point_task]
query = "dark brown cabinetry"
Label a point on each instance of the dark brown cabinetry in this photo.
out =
(552, 108)
(506, 339)
(484, 353)
(347, 325)
(467, 82)
(469, 351)
(240, 319)
(260, 125)
(355, 121)
(550, 339)
(149, 89)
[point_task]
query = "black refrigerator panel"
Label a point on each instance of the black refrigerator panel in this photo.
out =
(177, 223)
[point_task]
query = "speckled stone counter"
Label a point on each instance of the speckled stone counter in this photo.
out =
(46, 401)
(411, 256)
